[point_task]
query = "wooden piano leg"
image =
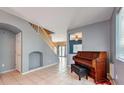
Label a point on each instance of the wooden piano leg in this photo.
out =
(79, 77)
(95, 80)
(86, 76)
(71, 70)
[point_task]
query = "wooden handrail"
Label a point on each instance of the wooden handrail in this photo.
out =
(44, 35)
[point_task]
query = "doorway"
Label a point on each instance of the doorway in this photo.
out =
(62, 57)
(10, 48)
(62, 51)
(7, 50)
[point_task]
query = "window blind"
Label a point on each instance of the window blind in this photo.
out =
(120, 35)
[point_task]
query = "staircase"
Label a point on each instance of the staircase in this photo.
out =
(46, 36)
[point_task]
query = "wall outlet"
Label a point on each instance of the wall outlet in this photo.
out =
(3, 65)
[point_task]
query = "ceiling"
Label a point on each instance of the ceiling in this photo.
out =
(61, 19)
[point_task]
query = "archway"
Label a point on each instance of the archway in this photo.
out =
(35, 60)
(10, 48)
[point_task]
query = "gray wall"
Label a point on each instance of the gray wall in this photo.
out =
(118, 65)
(7, 50)
(31, 41)
(96, 37)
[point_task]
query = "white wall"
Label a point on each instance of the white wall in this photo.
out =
(96, 37)
(31, 41)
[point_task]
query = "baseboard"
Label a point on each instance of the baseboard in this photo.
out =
(7, 71)
(39, 68)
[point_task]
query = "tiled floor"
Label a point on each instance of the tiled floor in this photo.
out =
(55, 75)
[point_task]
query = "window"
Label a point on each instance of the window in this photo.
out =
(120, 35)
(77, 47)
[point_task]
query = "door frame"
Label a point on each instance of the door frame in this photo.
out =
(20, 70)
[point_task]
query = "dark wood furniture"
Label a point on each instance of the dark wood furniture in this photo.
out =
(95, 61)
(79, 70)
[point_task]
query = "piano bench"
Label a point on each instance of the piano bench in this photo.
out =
(79, 70)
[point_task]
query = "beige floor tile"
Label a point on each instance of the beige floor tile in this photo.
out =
(58, 74)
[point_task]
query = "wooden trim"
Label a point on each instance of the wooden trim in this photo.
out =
(60, 43)
(110, 78)
(45, 36)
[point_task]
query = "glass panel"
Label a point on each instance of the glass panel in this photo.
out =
(77, 48)
(63, 51)
(60, 52)
(120, 35)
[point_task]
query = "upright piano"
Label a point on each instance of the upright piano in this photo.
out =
(95, 61)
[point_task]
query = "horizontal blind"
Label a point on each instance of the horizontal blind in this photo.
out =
(120, 39)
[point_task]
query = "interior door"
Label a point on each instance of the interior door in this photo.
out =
(18, 52)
